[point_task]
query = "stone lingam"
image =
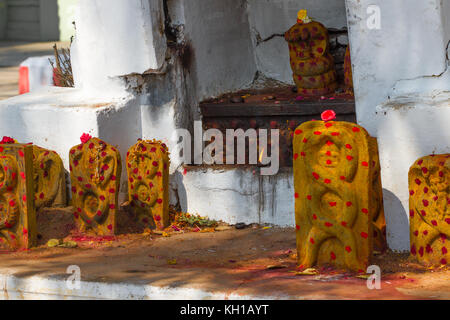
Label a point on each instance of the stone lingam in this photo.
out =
(312, 64)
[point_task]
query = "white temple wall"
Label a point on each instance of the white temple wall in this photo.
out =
(400, 76)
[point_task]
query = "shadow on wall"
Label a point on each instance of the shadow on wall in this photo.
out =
(397, 220)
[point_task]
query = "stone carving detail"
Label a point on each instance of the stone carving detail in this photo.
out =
(429, 206)
(334, 166)
(17, 214)
(378, 217)
(148, 183)
(95, 169)
(49, 179)
(348, 73)
(312, 64)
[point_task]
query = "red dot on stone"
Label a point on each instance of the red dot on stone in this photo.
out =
(298, 131)
(99, 213)
(297, 227)
(305, 140)
(311, 240)
(343, 223)
(423, 213)
(349, 158)
(342, 178)
(327, 181)
(328, 224)
(356, 129)
(348, 249)
(296, 195)
(418, 182)
(364, 210)
(110, 226)
(364, 235)
(365, 163)
(424, 170)
(411, 213)
(296, 156)
(333, 204)
(309, 197)
(348, 203)
(335, 134)
(411, 192)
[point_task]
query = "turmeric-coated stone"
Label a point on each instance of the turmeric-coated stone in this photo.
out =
(95, 169)
(49, 179)
(335, 205)
(312, 65)
(378, 217)
(429, 205)
(17, 213)
(348, 73)
(148, 183)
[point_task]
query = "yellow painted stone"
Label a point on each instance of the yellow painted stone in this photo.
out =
(148, 183)
(348, 73)
(49, 179)
(429, 205)
(378, 217)
(17, 213)
(313, 67)
(334, 166)
(95, 169)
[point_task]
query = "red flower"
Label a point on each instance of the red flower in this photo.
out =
(7, 140)
(328, 115)
(85, 137)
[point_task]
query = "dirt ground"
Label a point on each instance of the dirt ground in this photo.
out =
(257, 260)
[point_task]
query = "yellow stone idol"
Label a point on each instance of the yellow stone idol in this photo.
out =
(312, 64)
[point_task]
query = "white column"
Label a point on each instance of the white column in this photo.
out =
(404, 56)
(115, 38)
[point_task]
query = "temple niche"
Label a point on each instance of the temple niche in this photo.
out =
(338, 204)
(18, 223)
(148, 183)
(429, 206)
(95, 169)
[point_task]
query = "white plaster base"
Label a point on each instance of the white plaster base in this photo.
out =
(55, 288)
(409, 128)
(237, 195)
(55, 118)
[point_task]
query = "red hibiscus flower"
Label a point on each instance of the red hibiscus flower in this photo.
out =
(85, 137)
(328, 115)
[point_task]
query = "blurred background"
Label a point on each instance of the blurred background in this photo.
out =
(30, 28)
